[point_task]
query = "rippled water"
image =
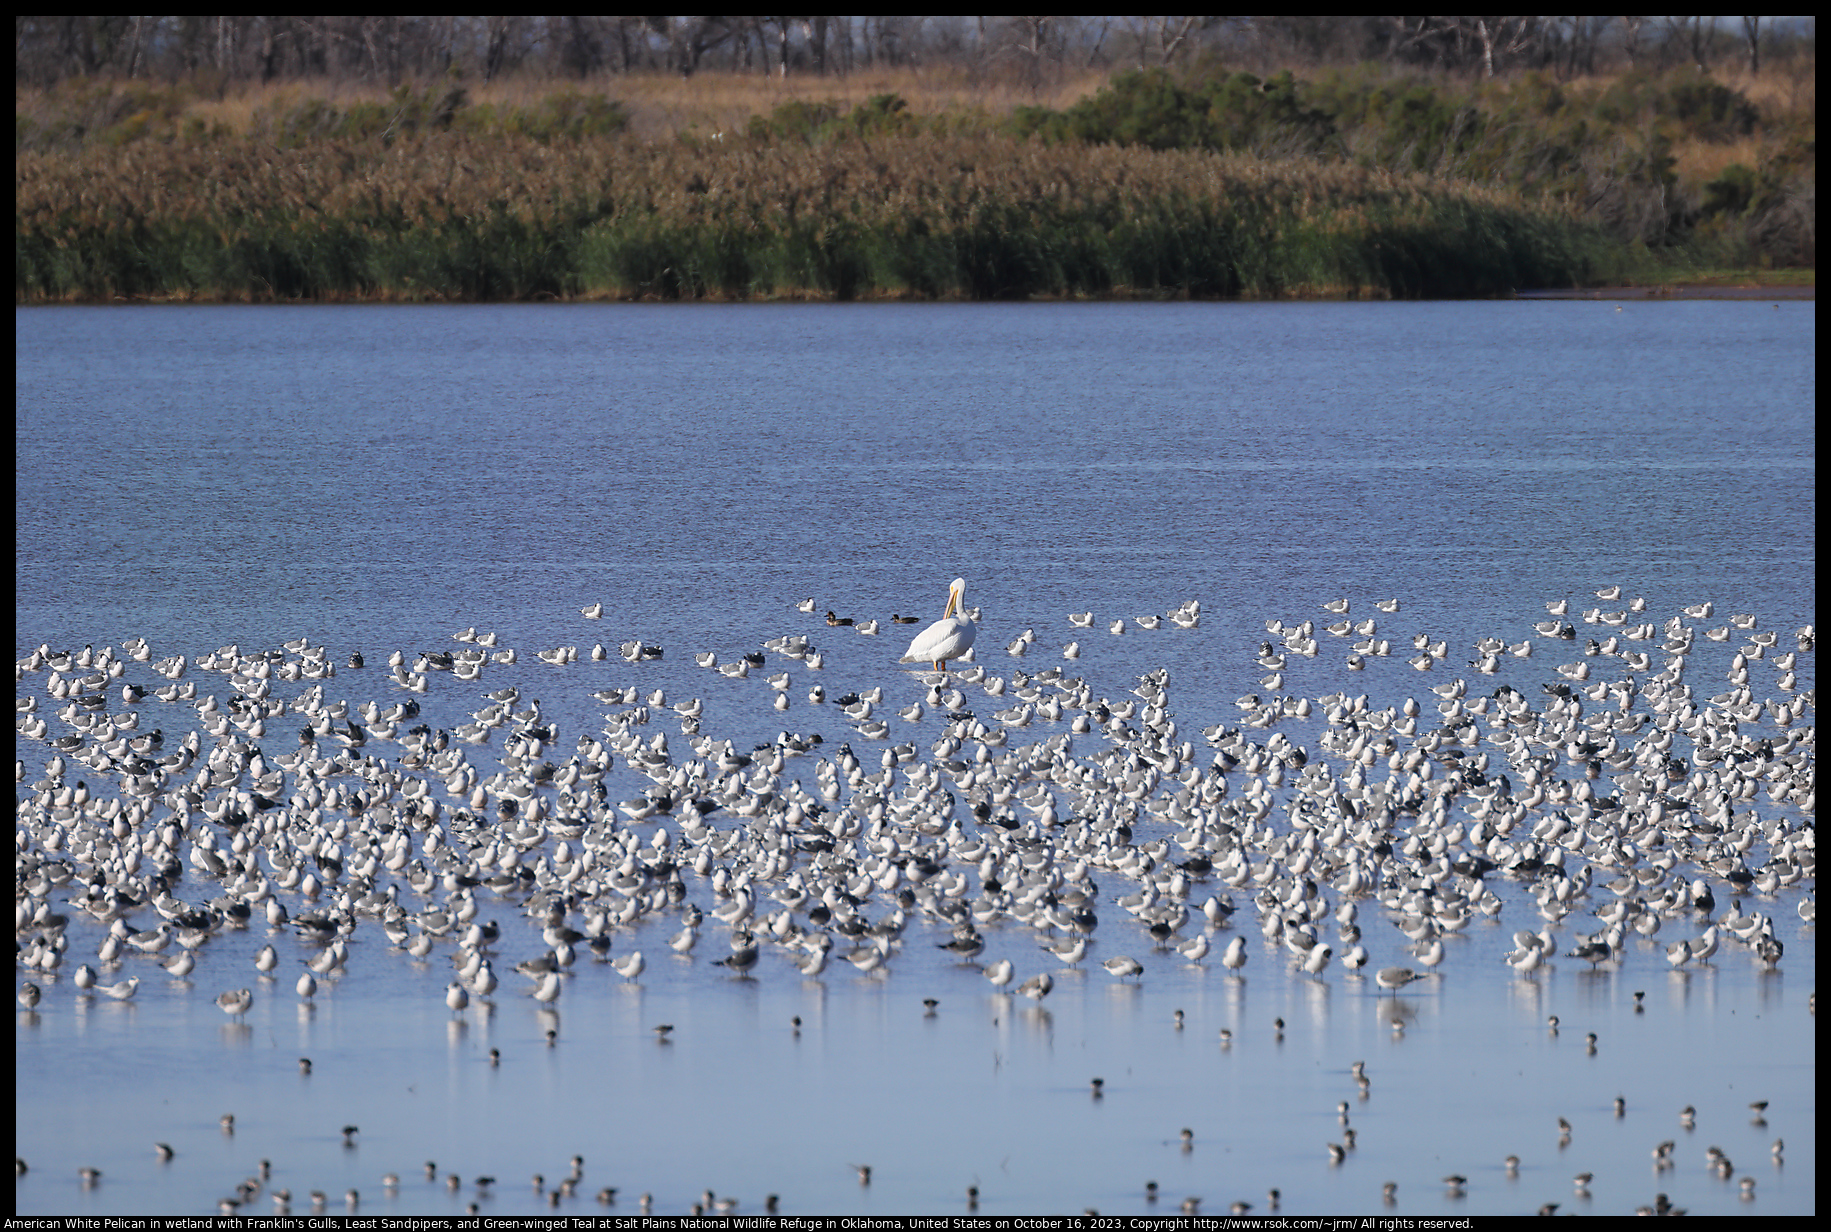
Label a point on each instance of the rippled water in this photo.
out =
(379, 478)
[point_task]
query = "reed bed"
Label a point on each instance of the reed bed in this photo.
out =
(457, 215)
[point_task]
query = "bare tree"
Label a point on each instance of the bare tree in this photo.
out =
(816, 28)
(1507, 36)
(1751, 30)
(1630, 38)
(1169, 44)
(1699, 36)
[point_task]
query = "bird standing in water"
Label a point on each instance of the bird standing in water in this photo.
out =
(949, 637)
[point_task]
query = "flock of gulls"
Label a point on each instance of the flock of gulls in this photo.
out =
(168, 800)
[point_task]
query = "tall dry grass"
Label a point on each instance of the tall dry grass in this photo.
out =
(737, 186)
(458, 215)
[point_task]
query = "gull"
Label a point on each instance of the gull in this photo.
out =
(1195, 949)
(1070, 951)
(594, 612)
(235, 1004)
(549, 989)
(152, 940)
(1081, 620)
(123, 991)
(455, 996)
(867, 958)
(1395, 978)
(29, 994)
(630, 966)
(966, 945)
(1122, 966)
(307, 985)
(182, 965)
(743, 955)
(266, 960)
(1036, 987)
(1705, 946)
(1000, 973)
(1594, 953)
(1317, 959)
(1234, 957)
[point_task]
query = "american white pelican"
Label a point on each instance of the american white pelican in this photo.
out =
(949, 637)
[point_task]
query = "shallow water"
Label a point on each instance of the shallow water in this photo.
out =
(379, 478)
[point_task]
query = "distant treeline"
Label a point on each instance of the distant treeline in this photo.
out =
(382, 50)
(1218, 184)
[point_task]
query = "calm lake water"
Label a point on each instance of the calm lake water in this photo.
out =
(377, 479)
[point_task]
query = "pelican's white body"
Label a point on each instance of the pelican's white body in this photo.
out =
(949, 637)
